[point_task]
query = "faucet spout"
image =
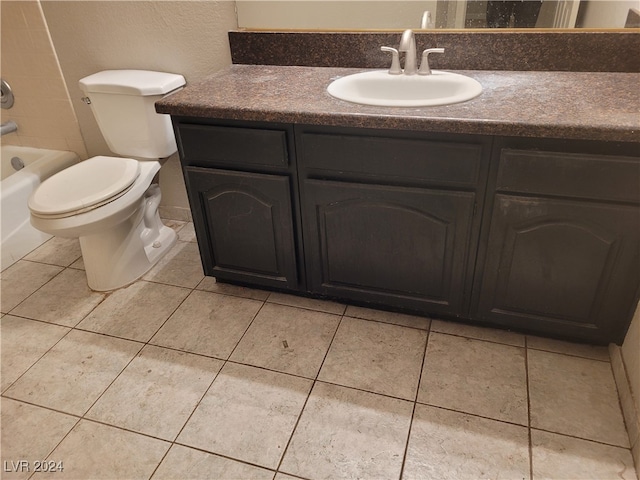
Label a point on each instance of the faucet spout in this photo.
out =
(408, 45)
(8, 127)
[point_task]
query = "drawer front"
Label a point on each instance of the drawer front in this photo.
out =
(602, 177)
(205, 145)
(436, 162)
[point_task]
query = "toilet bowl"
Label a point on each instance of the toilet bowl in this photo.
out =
(111, 203)
(121, 235)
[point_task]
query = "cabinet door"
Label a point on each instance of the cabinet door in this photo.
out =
(564, 267)
(404, 247)
(244, 225)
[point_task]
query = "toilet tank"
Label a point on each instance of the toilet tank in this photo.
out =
(123, 103)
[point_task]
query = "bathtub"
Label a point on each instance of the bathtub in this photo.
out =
(18, 236)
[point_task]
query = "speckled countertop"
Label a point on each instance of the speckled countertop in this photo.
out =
(572, 105)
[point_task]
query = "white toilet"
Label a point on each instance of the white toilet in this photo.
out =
(110, 203)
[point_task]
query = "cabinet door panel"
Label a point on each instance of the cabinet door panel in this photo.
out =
(402, 246)
(244, 227)
(560, 266)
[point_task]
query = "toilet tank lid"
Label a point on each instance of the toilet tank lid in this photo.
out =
(131, 82)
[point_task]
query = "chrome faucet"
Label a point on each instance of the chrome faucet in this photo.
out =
(408, 45)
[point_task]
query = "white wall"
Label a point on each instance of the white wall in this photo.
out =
(186, 37)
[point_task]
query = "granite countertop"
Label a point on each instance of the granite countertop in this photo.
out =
(572, 105)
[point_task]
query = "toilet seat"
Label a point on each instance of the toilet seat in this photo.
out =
(84, 187)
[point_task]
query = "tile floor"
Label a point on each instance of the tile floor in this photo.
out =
(179, 377)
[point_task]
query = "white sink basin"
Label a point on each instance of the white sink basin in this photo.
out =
(382, 89)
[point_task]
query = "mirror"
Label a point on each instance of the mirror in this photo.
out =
(449, 14)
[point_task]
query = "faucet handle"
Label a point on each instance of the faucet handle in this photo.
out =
(395, 60)
(424, 64)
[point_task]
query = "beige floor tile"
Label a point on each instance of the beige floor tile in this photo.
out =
(346, 433)
(73, 374)
(65, 300)
(402, 319)
(446, 445)
(376, 357)
(157, 392)
(187, 233)
(209, 284)
(23, 343)
(135, 312)
(478, 332)
(187, 463)
(247, 414)
(176, 225)
(557, 457)
(306, 302)
(181, 266)
(287, 339)
(102, 452)
(22, 279)
(595, 352)
(575, 396)
(474, 376)
(57, 251)
(29, 433)
(78, 264)
(284, 476)
(208, 324)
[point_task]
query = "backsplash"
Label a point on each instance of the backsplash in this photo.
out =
(543, 51)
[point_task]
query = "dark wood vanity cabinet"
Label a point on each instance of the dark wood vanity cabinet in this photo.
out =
(539, 235)
(241, 186)
(561, 246)
(388, 217)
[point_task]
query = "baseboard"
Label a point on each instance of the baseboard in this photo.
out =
(631, 418)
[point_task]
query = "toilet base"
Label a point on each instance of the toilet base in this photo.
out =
(121, 255)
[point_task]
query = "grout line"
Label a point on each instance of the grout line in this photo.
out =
(599, 442)
(496, 342)
(304, 405)
(32, 293)
(206, 391)
(314, 380)
(526, 372)
(386, 395)
(39, 358)
(394, 324)
(415, 403)
(199, 449)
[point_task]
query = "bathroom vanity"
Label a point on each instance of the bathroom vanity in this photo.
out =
(514, 209)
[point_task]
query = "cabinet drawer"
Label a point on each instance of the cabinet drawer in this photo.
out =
(213, 145)
(602, 177)
(437, 162)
